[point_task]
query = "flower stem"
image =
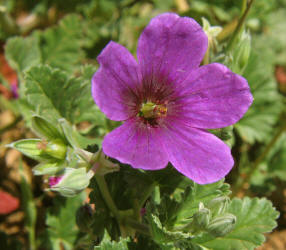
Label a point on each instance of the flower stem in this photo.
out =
(239, 26)
(146, 194)
(107, 197)
(139, 227)
(243, 6)
(206, 59)
(242, 185)
(138, 204)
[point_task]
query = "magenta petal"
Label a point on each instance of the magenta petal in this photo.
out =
(170, 46)
(136, 144)
(114, 85)
(212, 97)
(197, 154)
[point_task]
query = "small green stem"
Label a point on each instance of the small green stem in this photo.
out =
(239, 25)
(138, 204)
(243, 6)
(107, 197)
(139, 227)
(206, 59)
(31, 234)
(146, 194)
(240, 185)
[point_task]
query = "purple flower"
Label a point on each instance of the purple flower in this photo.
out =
(167, 101)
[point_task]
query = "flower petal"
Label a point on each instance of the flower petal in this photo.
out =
(197, 154)
(114, 85)
(212, 97)
(136, 144)
(170, 46)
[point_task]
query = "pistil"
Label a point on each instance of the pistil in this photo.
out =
(150, 110)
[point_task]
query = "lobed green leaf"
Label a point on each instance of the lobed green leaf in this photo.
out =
(254, 218)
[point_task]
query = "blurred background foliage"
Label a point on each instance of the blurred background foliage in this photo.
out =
(68, 35)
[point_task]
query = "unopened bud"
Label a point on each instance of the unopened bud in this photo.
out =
(201, 219)
(72, 182)
(211, 31)
(222, 225)
(218, 205)
(241, 53)
(56, 148)
(84, 217)
(54, 180)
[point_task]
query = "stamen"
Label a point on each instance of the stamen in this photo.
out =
(150, 110)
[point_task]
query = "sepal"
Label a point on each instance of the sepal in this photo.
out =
(31, 148)
(201, 219)
(46, 129)
(222, 225)
(73, 181)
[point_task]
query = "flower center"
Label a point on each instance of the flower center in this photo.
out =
(150, 110)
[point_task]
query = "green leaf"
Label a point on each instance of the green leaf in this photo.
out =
(86, 108)
(61, 44)
(74, 138)
(46, 91)
(62, 230)
(46, 129)
(257, 124)
(254, 218)
(199, 193)
(54, 95)
(22, 53)
(108, 244)
(160, 234)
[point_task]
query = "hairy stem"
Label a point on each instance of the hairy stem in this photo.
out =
(107, 197)
(206, 59)
(239, 26)
(139, 227)
(243, 6)
(138, 204)
(146, 194)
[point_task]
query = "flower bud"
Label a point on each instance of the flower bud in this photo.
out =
(218, 205)
(222, 225)
(241, 53)
(201, 218)
(56, 149)
(54, 180)
(211, 31)
(49, 168)
(84, 217)
(72, 182)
